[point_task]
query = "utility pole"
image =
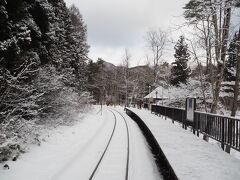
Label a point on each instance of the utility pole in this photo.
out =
(101, 108)
(149, 88)
(156, 97)
(162, 95)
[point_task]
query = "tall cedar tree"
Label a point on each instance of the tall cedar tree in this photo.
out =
(42, 59)
(81, 47)
(231, 62)
(93, 75)
(180, 71)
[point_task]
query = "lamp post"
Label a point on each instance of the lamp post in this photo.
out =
(162, 96)
(100, 97)
(149, 88)
(156, 97)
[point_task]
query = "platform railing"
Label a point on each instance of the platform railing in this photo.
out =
(223, 129)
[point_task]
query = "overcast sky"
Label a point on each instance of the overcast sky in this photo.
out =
(114, 25)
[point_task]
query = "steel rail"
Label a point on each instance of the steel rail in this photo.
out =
(104, 152)
(127, 164)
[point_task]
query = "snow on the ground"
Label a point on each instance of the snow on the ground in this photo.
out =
(86, 156)
(58, 153)
(72, 152)
(191, 157)
(114, 161)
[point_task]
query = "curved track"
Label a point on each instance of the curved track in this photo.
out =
(104, 152)
(127, 165)
(100, 161)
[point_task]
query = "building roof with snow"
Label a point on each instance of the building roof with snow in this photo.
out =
(161, 93)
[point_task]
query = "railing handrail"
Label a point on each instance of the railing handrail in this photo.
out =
(225, 129)
(218, 115)
(201, 112)
(169, 107)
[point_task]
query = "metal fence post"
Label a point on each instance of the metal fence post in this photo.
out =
(165, 113)
(194, 124)
(182, 116)
(223, 133)
(197, 119)
(185, 119)
(173, 115)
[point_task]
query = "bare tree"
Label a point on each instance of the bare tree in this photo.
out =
(156, 40)
(194, 53)
(215, 17)
(126, 64)
(221, 27)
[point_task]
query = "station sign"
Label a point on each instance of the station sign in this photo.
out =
(190, 108)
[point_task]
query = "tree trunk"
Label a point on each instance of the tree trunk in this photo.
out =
(236, 88)
(200, 76)
(222, 54)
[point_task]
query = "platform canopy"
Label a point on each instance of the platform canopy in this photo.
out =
(161, 93)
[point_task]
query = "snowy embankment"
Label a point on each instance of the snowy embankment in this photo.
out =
(42, 162)
(190, 156)
(72, 152)
(58, 152)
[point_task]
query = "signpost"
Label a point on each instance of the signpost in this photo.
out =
(190, 108)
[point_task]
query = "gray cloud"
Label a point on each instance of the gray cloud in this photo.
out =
(116, 24)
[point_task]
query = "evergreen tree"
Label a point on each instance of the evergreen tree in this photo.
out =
(231, 60)
(80, 46)
(80, 30)
(180, 71)
(43, 54)
(93, 74)
(230, 66)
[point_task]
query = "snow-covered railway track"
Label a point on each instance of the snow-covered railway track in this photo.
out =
(128, 143)
(74, 152)
(104, 152)
(113, 152)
